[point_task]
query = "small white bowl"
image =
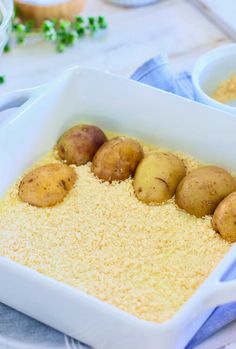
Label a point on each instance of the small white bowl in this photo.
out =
(132, 3)
(6, 13)
(210, 70)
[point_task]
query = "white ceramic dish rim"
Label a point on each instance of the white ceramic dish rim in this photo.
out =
(211, 294)
(205, 60)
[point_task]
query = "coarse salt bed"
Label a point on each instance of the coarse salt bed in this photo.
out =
(146, 260)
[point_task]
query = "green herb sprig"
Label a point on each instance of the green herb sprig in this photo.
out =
(65, 33)
(22, 29)
(2, 79)
(61, 33)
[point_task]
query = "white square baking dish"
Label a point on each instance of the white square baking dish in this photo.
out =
(120, 105)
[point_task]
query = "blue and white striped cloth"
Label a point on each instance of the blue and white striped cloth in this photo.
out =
(157, 73)
(17, 331)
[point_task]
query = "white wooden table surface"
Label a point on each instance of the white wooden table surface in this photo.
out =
(183, 29)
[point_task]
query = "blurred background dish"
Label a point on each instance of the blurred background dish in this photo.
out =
(214, 68)
(39, 10)
(132, 3)
(6, 12)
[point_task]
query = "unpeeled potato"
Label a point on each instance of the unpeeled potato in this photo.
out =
(201, 190)
(79, 144)
(224, 219)
(47, 185)
(157, 177)
(117, 159)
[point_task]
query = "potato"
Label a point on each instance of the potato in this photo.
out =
(79, 144)
(157, 177)
(224, 219)
(47, 185)
(201, 191)
(117, 159)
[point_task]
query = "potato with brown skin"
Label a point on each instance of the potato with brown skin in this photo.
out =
(157, 177)
(79, 144)
(201, 190)
(117, 159)
(224, 219)
(47, 185)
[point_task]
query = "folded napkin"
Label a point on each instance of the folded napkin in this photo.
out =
(19, 331)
